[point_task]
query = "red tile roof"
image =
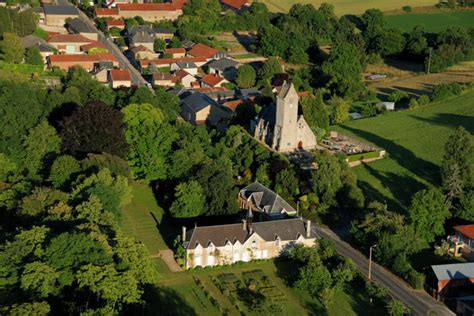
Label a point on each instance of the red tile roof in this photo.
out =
(82, 58)
(179, 4)
(201, 50)
(165, 77)
(208, 89)
(169, 61)
(94, 44)
(195, 84)
(303, 94)
(115, 22)
(182, 73)
(233, 104)
(235, 4)
(212, 79)
(146, 7)
(106, 12)
(175, 51)
(120, 75)
(466, 230)
(69, 38)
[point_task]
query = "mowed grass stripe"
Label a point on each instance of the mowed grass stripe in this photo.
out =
(432, 22)
(414, 141)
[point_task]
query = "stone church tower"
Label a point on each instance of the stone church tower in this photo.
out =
(280, 126)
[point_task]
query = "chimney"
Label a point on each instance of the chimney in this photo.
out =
(184, 233)
(308, 228)
(244, 224)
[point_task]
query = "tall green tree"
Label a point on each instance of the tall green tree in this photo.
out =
(246, 76)
(428, 213)
(33, 56)
(62, 170)
(189, 200)
(326, 179)
(270, 68)
(339, 110)
(12, 52)
(150, 138)
(315, 114)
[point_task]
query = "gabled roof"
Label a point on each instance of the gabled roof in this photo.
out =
(92, 45)
(182, 73)
(140, 48)
(466, 230)
(219, 235)
(235, 4)
(265, 199)
(120, 75)
(223, 64)
(31, 40)
(60, 10)
(82, 58)
(69, 38)
(113, 22)
(174, 51)
(169, 61)
(455, 271)
(201, 50)
(165, 77)
(106, 12)
(197, 101)
(285, 89)
(78, 26)
(146, 7)
(212, 79)
(141, 34)
(185, 64)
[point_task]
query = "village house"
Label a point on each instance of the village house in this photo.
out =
(77, 26)
(85, 61)
(120, 24)
(197, 108)
(94, 48)
(167, 62)
(236, 5)
(150, 11)
(141, 52)
(258, 198)
(449, 280)
(224, 67)
(101, 71)
(462, 242)
(106, 13)
(120, 78)
(164, 34)
(207, 52)
(280, 126)
(69, 43)
(141, 35)
(185, 78)
(174, 52)
(44, 47)
(212, 81)
(164, 80)
(189, 67)
(56, 15)
(226, 244)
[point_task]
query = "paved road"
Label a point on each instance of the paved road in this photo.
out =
(124, 63)
(418, 301)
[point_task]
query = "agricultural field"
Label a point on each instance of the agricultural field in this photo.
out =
(342, 7)
(433, 22)
(414, 141)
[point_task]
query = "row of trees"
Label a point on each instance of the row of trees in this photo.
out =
(20, 22)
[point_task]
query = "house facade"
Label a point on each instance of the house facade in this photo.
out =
(56, 15)
(280, 126)
(448, 280)
(226, 244)
(69, 43)
(258, 198)
(224, 67)
(462, 242)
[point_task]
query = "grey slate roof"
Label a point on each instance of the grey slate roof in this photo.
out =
(219, 235)
(232, 94)
(141, 34)
(160, 30)
(185, 64)
(77, 26)
(60, 10)
(223, 64)
(180, 92)
(454, 271)
(31, 40)
(268, 114)
(197, 101)
(265, 199)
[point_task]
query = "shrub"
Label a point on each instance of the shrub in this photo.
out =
(447, 90)
(416, 279)
(413, 103)
(374, 59)
(423, 99)
(407, 8)
(398, 96)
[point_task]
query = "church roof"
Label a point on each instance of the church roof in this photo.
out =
(285, 89)
(265, 199)
(268, 114)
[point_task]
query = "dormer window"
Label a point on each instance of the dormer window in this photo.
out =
(277, 241)
(210, 247)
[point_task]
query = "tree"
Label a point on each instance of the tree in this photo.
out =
(25, 22)
(339, 110)
(35, 308)
(7, 167)
(175, 43)
(94, 128)
(41, 141)
(315, 113)
(390, 42)
(427, 213)
(246, 76)
(62, 170)
(396, 308)
(373, 24)
(269, 69)
(33, 56)
(417, 44)
(12, 52)
(150, 138)
(326, 179)
(314, 279)
(40, 280)
(189, 200)
(458, 163)
(344, 70)
(159, 45)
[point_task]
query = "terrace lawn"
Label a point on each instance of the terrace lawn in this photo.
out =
(414, 141)
(342, 7)
(433, 22)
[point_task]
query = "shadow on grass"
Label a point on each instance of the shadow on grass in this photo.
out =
(315, 309)
(404, 157)
(161, 301)
(450, 120)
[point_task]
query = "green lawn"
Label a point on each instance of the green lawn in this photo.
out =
(433, 22)
(414, 141)
(342, 7)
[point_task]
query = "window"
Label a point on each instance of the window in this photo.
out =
(277, 242)
(254, 244)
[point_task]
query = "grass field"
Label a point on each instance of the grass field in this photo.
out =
(414, 141)
(342, 7)
(433, 22)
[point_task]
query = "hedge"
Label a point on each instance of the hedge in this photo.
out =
(23, 68)
(357, 157)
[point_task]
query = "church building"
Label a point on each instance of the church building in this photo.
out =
(280, 126)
